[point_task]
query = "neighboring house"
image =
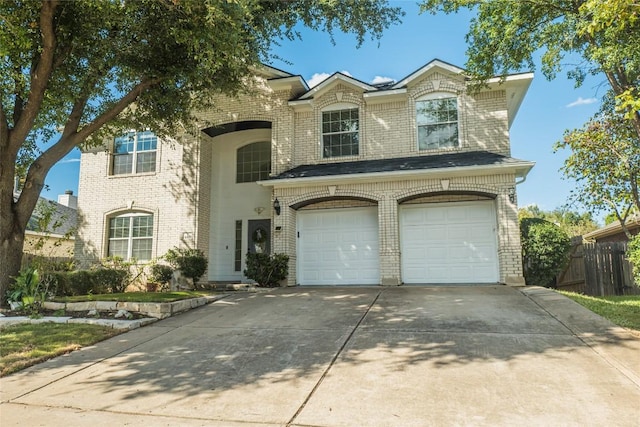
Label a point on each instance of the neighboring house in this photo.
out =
(407, 182)
(613, 232)
(51, 229)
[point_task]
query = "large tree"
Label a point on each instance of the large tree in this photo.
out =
(604, 160)
(72, 72)
(600, 35)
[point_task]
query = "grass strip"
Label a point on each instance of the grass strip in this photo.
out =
(622, 310)
(27, 344)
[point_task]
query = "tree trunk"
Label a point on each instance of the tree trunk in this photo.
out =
(11, 246)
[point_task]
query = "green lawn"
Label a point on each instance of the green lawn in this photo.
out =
(134, 297)
(27, 344)
(621, 310)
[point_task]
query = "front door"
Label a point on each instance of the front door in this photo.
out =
(259, 237)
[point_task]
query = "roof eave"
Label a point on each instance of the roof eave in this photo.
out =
(436, 63)
(520, 169)
(611, 229)
(326, 83)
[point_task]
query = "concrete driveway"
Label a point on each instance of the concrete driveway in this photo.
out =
(408, 356)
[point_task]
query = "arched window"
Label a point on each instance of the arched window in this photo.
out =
(253, 162)
(131, 236)
(340, 131)
(437, 119)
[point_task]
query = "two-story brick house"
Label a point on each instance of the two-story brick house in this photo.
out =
(406, 182)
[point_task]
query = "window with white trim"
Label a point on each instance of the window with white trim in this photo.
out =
(340, 133)
(437, 121)
(131, 236)
(253, 162)
(134, 152)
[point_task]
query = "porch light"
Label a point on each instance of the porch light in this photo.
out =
(512, 195)
(276, 206)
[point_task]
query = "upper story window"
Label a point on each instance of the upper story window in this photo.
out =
(131, 236)
(253, 162)
(134, 152)
(340, 133)
(437, 121)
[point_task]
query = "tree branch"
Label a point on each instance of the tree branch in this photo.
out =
(118, 108)
(39, 76)
(71, 138)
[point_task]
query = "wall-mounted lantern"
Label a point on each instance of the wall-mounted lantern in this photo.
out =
(276, 206)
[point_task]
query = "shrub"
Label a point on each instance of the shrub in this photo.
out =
(633, 255)
(109, 280)
(267, 270)
(191, 262)
(545, 250)
(161, 273)
(80, 283)
(119, 277)
(84, 282)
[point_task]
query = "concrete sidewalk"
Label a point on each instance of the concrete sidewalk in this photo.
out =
(409, 356)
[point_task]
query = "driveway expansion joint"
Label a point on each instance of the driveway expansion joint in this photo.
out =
(334, 359)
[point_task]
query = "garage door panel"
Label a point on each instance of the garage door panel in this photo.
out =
(338, 247)
(454, 243)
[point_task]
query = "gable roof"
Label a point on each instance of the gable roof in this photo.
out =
(434, 64)
(632, 223)
(477, 161)
(515, 86)
(63, 218)
(331, 80)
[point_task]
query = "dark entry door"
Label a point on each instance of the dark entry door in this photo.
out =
(259, 237)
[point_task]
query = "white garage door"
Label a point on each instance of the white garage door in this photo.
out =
(449, 243)
(338, 247)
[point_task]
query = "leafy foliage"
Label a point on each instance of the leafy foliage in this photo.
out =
(267, 270)
(605, 163)
(74, 72)
(545, 250)
(573, 223)
(506, 35)
(161, 273)
(191, 262)
(115, 274)
(633, 255)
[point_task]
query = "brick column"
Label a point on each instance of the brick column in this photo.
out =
(389, 242)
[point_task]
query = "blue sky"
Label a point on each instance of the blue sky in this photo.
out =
(549, 108)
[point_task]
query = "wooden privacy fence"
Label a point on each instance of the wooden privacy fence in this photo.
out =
(598, 269)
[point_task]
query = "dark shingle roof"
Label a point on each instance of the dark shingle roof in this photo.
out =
(474, 158)
(63, 218)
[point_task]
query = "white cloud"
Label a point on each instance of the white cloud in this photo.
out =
(582, 101)
(318, 78)
(381, 79)
(61, 162)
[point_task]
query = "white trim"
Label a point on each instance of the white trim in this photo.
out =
(436, 63)
(52, 235)
(326, 83)
(288, 83)
(431, 97)
(341, 106)
(520, 169)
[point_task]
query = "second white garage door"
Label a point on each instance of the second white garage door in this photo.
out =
(338, 247)
(449, 243)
